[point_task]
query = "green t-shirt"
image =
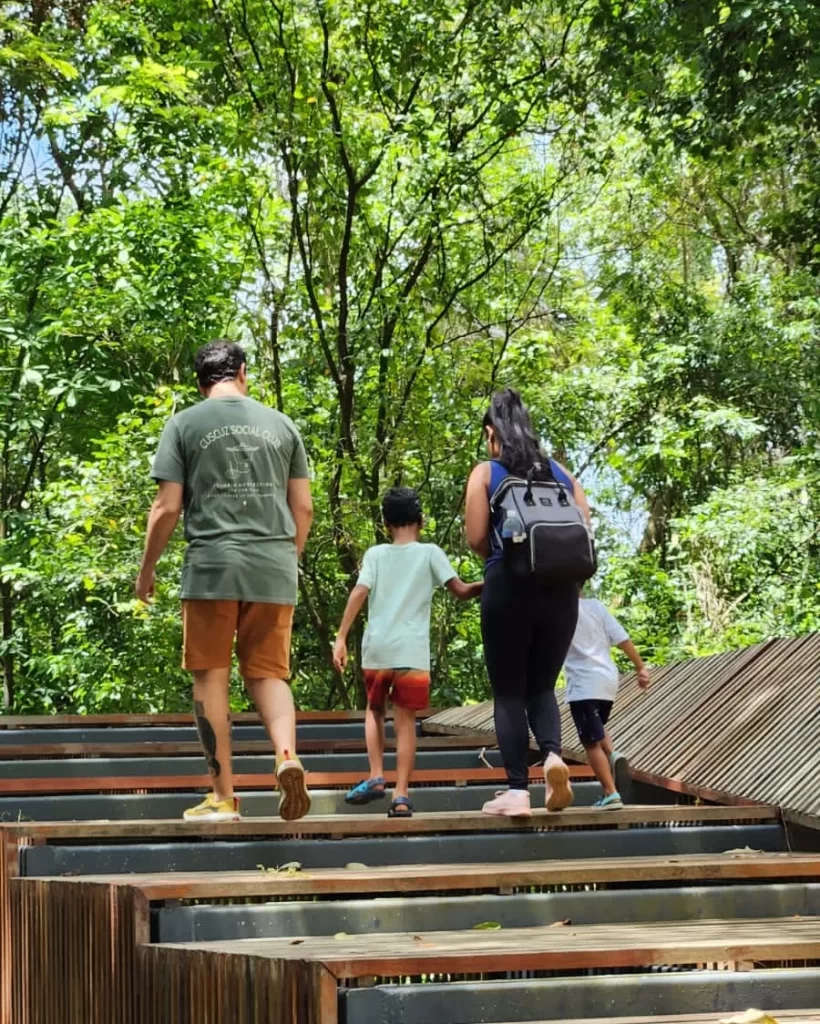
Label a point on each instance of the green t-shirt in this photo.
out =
(401, 579)
(235, 457)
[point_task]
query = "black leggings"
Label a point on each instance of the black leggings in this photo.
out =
(527, 629)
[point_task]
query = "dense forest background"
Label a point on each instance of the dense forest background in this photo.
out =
(400, 206)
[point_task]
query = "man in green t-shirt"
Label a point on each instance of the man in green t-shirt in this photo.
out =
(239, 471)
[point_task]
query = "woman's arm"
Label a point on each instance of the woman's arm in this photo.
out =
(477, 510)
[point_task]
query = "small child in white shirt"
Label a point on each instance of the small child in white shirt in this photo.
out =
(592, 683)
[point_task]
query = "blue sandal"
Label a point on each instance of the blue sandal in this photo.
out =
(401, 807)
(367, 791)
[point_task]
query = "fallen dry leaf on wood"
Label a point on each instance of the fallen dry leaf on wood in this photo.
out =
(750, 1017)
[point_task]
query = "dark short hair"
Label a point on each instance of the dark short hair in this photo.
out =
(401, 507)
(219, 360)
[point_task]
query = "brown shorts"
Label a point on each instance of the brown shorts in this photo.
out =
(406, 687)
(262, 634)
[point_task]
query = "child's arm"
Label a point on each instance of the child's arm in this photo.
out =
(358, 596)
(631, 651)
(464, 591)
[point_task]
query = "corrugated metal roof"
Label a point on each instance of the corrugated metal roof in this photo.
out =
(744, 725)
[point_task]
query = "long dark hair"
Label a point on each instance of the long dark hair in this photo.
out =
(511, 423)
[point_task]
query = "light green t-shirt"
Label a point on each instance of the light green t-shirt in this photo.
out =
(401, 579)
(235, 457)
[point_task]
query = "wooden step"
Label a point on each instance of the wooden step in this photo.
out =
(781, 1016)
(379, 824)
(52, 915)
(409, 878)
(539, 949)
(316, 780)
(177, 718)
(22, 751)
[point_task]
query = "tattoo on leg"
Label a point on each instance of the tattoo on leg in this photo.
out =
(207, 738)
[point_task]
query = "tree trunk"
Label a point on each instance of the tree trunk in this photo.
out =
(7, 598)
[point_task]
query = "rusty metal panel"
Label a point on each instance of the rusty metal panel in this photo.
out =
(74, 951)
(184, 986)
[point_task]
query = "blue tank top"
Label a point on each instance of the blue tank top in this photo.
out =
(499, 473)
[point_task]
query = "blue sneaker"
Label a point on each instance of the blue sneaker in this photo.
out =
(367, 791)
(612, 802)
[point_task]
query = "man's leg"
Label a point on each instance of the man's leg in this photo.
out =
(208, 632)
(263, 643)
(213, 722)
(274, 702)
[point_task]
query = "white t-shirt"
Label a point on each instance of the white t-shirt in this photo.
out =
(591, 672)
(402, 579)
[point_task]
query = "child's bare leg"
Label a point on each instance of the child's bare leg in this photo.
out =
(404, 722)
(606, 744)
(599, 763)
(374, 737)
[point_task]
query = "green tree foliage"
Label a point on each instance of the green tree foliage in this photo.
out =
(399, 207)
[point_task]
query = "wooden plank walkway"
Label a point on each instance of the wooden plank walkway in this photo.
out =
(547, 948)
(781, 1016)
(34, 751)
(177, 718)
(379, 824)
(410, 878)
(265, 780)
(53, 916)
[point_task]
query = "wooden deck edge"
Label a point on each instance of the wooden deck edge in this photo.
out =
(543, 948)
(191, 748)
(316, 780)
(684, 868)
(435, 822)
(807, 1016)
(178, 718)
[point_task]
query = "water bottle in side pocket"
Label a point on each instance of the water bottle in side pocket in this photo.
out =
(512, 528)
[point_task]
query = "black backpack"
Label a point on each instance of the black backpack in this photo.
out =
(541, 529)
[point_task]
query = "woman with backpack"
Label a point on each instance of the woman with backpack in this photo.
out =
(529, 519)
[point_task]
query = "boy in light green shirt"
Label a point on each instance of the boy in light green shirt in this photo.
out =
(398, 581)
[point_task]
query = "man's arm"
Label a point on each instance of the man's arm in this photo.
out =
(464, 591)
(631, 651)
(162, 521)
(300, 504)
(358, 596)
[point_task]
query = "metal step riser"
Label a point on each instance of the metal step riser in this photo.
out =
(375, 852)
(98, 767)
(138, 806)
(620, 995)
(452, 913)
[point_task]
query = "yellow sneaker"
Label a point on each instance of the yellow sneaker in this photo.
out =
(212, 809)
(294, 799)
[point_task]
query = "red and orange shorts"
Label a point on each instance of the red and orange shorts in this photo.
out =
(406, 687)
